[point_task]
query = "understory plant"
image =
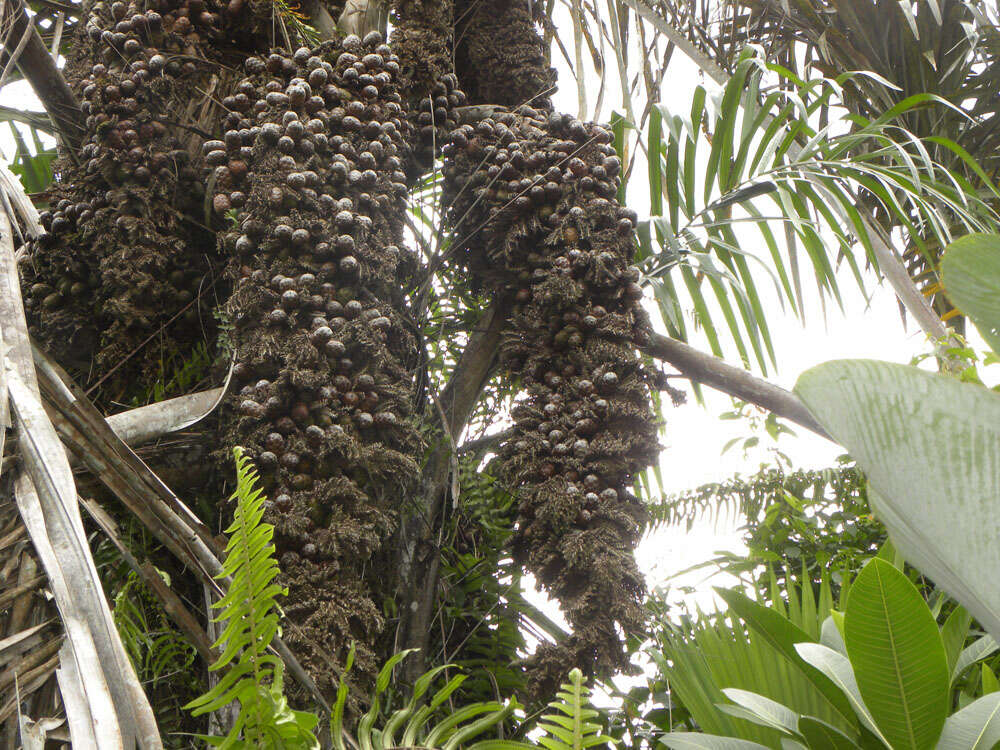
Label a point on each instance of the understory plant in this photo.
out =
(254, 675)
(432, 720)
(930, 446)
(877, 670)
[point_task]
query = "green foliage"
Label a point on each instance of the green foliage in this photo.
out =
(770, 144)
(570, 725)
(483, 619)
(437, 720)
(751, 647)
(163, 659)
(970, 273)
(156, 650)
(424, 720)
(184, 373)
(931, 448)
(814, 521)
(249, 609)
(898, 656)
(929, 445)
(878, 673)
(32, 166)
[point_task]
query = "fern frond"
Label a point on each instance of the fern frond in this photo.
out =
(571, 725)
(249, 609)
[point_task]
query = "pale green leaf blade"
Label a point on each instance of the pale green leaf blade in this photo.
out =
(821, 736)
(837, 667)
(975, 727)
(930, 447)
(898, 657)
(771, 712)
(975, 651)
(970, 274)
(698, 741)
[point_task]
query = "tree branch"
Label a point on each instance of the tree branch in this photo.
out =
(713, 372)
(418, 583)
(461, 394)
(147, 423)
(487, 442)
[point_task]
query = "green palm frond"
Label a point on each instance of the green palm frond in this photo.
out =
(750, 496)
(759, 139)
(945, 49)
(425, 720)
(704, 657)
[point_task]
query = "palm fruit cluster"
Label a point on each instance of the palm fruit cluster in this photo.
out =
(423, 39)
(309, 168)
(126, 256)
(499, 56)
(533, 199)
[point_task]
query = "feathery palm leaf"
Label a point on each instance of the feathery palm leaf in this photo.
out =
(712, 165)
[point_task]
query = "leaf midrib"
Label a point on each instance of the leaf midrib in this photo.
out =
(895, 660)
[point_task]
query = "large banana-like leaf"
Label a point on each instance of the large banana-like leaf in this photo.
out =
(698, 741)
(930, 446)
(898, 657)
(970, 273)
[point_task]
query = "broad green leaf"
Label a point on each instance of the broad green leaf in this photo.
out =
(831, 637)
(821, 736)
(975, 727)
(783, 635)
(837, 667)
(930, 447)
(954, 632)
(978, 649)
(989, 680)
(698, 741)
(898, 657)
(970, 274)
(770, 712)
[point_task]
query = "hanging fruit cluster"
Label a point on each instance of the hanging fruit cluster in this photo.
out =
(422, 38)
(499, 56)
(310, 164)
(126, 262)
(533, 199)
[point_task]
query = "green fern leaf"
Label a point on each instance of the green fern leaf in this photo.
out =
(569, 726)
(249, 609)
